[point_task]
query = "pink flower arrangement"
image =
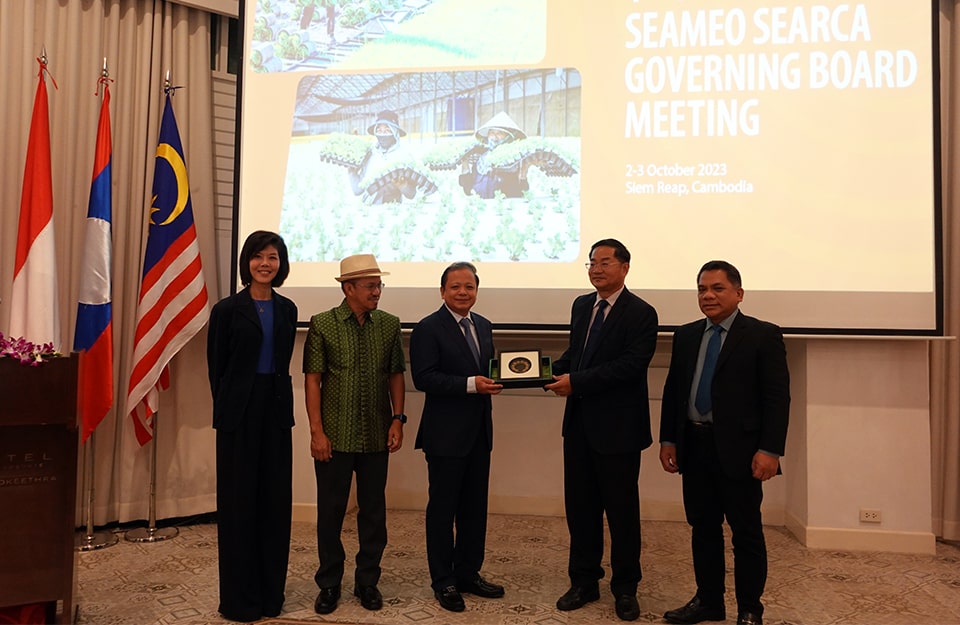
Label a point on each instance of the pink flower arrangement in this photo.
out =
(26, 352)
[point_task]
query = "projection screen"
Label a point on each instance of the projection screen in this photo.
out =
(798, 141)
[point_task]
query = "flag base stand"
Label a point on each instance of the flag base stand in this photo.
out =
(150, 534)
(96, 540)
(91, 540)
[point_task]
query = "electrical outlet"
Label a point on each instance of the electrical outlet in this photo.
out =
(869, 516)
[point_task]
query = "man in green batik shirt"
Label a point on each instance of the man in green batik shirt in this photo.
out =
(353, 361)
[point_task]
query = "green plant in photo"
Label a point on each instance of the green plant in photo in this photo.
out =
(536, 208)
(554, 246)
(470, 222)
(354, 15)
(409, 223)
(344, 149)
(573, 227)
(515, 242)
(343, 226)
(396, 237)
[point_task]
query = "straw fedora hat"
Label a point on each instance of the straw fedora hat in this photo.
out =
(359, 266)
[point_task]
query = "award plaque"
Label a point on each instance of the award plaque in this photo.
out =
(521, 369)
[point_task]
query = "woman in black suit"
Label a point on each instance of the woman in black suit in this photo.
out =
(249, 347)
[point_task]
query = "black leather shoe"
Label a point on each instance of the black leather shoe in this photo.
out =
(577, 597)
(450, 599)
(481, 588)
(627, 608)
(749, 618)
(695, 611)
(370, 597)
(327, 600)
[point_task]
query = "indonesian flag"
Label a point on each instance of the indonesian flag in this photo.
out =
(34, 308)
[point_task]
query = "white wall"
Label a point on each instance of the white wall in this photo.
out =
(859, 438)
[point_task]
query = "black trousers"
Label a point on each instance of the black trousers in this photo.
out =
(594, 484)
(709, 496)
(333, 491)
(254, 501)
(458, 497)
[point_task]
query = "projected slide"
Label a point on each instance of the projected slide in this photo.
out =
(487, 193)
(310, 34)
(796, 141)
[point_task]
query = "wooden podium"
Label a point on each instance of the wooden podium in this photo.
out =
(38, 484)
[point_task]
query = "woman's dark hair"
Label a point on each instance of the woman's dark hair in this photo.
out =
(257, 242)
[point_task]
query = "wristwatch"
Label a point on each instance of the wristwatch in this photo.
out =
(402, 418)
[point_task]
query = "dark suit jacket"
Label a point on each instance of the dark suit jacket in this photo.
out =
(610, 392)
(233, 348)
(440, 363)
(751, 392)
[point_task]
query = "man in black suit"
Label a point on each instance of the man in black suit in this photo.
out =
(606, 424)
(726, 403)
(449, 350)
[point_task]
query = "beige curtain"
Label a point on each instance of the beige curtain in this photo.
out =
(141, 40)
(945, 355)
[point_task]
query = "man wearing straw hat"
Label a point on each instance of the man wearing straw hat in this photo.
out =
(353, 364)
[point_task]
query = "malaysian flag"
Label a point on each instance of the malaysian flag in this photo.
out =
(34, 306)
(94, 335)
(173, 296)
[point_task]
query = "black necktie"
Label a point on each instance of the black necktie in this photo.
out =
(472, 344)
(704, 401)
(593, 339)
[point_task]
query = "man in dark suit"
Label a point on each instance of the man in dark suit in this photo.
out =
(606, 424)
(449, 350)
(726, 403)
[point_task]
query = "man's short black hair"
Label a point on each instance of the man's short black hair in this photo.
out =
(620, 251)
(456, 266)
(733, 275)
(257, 242)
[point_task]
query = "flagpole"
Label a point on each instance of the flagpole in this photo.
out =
(92, 540)
(95, 400)
(151, 533)
(164, 302)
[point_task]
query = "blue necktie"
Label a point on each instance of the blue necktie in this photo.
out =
(704, 401)
(594, 337)
(472, 344)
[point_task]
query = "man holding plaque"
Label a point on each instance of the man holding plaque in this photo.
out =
(606, 424)
(449, 354)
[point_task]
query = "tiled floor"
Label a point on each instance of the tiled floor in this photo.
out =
(175, 581)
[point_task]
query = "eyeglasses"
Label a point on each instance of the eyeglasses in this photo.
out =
(373, 286)
(602, 266)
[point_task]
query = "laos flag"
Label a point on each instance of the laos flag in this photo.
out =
(94, 335)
